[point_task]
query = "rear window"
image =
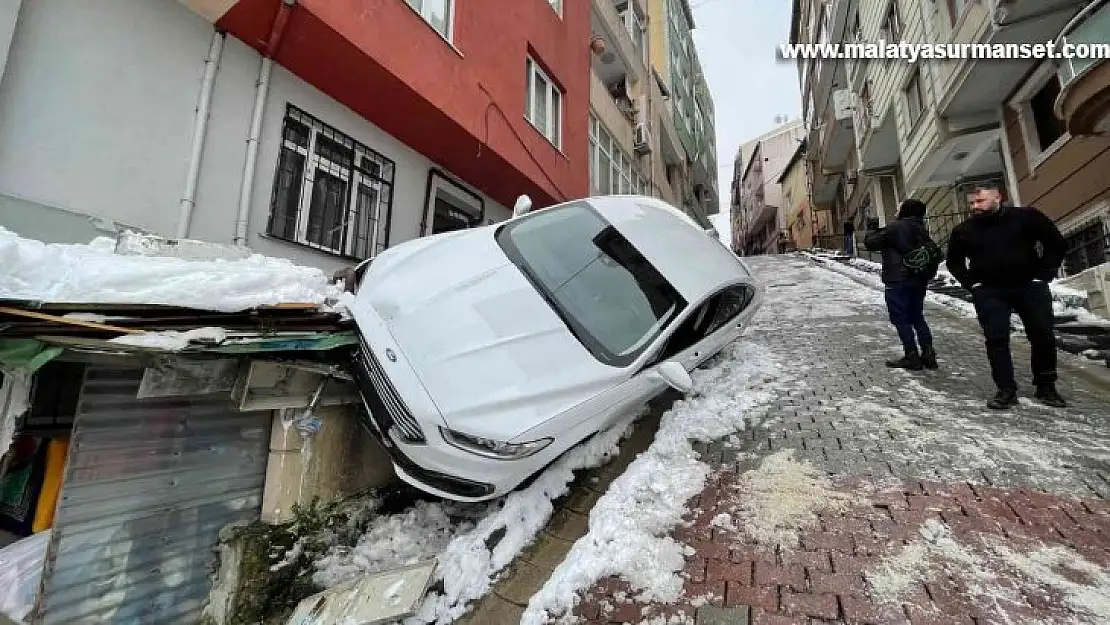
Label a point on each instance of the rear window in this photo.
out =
(611, 298)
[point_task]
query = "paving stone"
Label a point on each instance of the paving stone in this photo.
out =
(713, 615)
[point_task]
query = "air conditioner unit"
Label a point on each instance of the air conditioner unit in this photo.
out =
(643, 109)
(641, 139)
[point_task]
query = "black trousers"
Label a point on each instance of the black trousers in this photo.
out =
(1033, 304)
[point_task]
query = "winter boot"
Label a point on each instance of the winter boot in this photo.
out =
(929, 357)
(1005, 398)
(911, 361)
(1047, 395)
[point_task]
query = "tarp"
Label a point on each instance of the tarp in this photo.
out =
(25, 356)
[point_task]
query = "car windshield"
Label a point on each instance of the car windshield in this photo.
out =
(606, 292)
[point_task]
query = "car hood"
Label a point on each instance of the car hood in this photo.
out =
(491, 353)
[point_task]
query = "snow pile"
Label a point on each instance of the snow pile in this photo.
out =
(172, 341)
(470, 552)
(93, 273)
(630, 522)
(782, 497)
(397, 540)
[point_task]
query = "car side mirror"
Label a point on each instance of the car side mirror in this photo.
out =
(523, 205)
(676, 376)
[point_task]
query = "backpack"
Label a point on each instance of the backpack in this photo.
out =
(923, 261)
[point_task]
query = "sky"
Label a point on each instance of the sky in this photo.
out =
(737, 42)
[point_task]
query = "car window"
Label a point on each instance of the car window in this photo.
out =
(711, 316)
(613, 300)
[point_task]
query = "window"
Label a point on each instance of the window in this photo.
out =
(1049, 127)
(330, 192)
(892, 23)
(609, 296)
(633, 20)
(1087, 247)
(915, 104)
(956, 9)
(438, 13)
(450, 206)
(711, 316)
(543, 104)
(557, 5)
(612, 171)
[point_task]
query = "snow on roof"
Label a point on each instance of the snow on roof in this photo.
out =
(94, 273)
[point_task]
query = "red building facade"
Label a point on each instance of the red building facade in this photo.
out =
(495, 91)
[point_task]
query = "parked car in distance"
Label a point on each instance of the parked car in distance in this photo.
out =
(487, 353)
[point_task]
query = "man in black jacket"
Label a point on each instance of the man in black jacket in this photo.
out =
(905, 293)
(1006, 256)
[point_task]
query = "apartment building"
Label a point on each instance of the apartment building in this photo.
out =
(687, 116)
(802, 225)
(318, 131)
(881, 131)
(758, 212)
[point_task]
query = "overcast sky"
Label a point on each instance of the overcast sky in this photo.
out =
(737, 42)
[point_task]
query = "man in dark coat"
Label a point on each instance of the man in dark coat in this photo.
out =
(905, 292)
(849, 237)
(1006, 256)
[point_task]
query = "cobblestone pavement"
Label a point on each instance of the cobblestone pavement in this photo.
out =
(882, 496)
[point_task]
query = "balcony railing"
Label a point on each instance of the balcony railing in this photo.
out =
(1089, 28)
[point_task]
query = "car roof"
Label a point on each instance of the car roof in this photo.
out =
(694, 261)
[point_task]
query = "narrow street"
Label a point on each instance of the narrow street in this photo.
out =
(854, 493)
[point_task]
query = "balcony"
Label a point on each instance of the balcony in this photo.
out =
(622, 62)
(876, 136)
(1084, 100)
(972, 86)
(836, 131)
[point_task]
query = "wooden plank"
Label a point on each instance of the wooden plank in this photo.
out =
(66, 321)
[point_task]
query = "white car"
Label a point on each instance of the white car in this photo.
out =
(487, 353)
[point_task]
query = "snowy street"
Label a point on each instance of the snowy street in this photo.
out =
(821, 486)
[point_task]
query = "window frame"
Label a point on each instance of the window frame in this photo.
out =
(957, 9)
(621, 169)
(381, 185)
(914, 97)
(554, 114)
(1021, 104)
(711, 305)
(892, 22)
(448, 32)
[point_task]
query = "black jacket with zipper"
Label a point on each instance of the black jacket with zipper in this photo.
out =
(895, 241)
(1001, 249)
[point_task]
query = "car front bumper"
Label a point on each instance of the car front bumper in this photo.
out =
(401, 415)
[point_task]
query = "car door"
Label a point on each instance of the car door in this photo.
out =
(728, 320)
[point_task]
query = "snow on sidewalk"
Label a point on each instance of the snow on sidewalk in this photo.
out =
(865, 494)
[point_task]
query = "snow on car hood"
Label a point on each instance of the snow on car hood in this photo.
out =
(493, 356)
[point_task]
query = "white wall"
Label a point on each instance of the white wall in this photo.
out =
(96, 115)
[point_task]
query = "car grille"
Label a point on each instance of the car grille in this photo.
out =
(383, 401)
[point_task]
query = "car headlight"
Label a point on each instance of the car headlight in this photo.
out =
(498, 450)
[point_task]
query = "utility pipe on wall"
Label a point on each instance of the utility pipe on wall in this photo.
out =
(200, 127)
(262, 89)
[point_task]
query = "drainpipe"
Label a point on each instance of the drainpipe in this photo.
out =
(262, 89)
(200, 126)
